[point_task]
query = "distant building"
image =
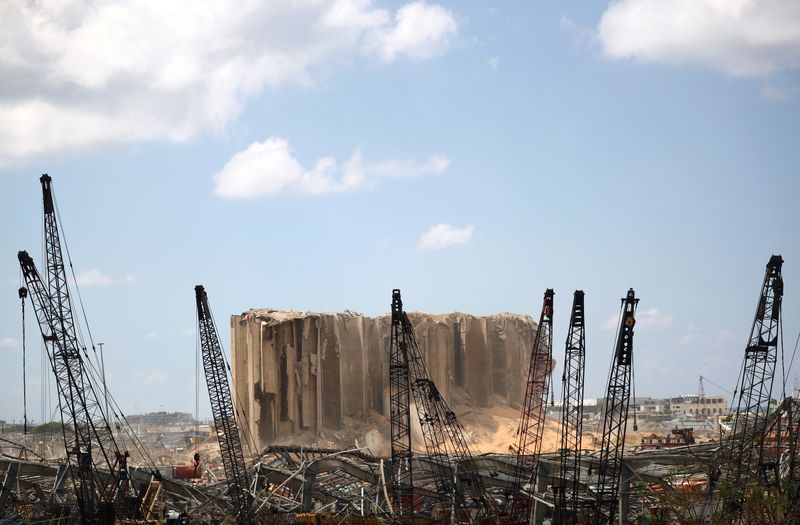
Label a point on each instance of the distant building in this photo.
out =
(699, 406)
(648, 406)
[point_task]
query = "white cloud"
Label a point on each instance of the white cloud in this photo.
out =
(269, 168)
(652, 318)
(444, 235)
(420, 31)
(188, 332)
(151, 335)
(580, 36)
(645, 318)
(125, 71)
(96, 277)
(493, 63)
(737, 37)
(8, 342)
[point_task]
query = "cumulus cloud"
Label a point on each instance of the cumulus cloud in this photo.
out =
(444, 235)
(269, 168)
(77, 74)
(737, 37)
(652, 318)
(493, 62)
(96, 277)
(8, 342)
(420, 31)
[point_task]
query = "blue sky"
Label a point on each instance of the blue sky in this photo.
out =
(316, 155)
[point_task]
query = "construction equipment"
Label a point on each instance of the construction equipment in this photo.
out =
(531, 426)
(97, 497)
(400, 417)
(227, 430)
(615, 416)
(91, 443)
(444, 436)
(567, 487)
(743, 455)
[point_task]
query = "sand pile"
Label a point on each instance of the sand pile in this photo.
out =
(488, 430)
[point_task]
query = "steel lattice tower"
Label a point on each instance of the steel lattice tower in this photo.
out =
(568, 487)
(443, 434)
(91, 442)
(615, 415)
(744, 453)
(219, 391)
(531, 426)
(400, 417)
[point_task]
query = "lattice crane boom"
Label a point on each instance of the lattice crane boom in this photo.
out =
(400, 417)
(532, 416)
(568, 487)
(615, 415)
(743, 455)
(444, 436)
(227, 430)
(91, 443)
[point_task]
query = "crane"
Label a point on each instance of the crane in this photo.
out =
(91, 443)
(743, 455)
(615, 415)
(98, 497)
(219, 391)
(531, 426)
(400, 417)
(444, 436)
(568, 486)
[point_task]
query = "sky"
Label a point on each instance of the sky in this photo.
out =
(314, 155)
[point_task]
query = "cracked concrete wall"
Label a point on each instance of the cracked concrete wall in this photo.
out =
(305, 371)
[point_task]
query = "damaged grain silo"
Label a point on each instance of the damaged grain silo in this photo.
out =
(305, 371)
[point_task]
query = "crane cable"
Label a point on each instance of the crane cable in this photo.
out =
(791, 361)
